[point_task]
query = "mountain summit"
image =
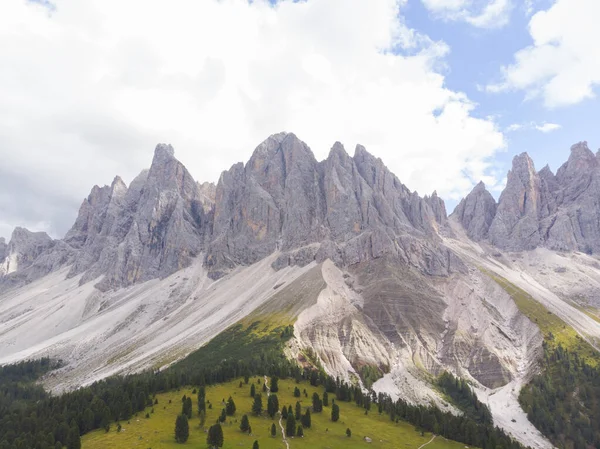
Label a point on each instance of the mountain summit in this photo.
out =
(560, 212)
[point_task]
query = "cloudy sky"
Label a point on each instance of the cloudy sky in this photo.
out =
(446, 92)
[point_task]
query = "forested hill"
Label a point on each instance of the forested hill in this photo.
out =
(33, 419)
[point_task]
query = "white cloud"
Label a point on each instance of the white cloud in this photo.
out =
(562, 66)
(548, 127)
(88, 90)
(479, 13)
(543, 127)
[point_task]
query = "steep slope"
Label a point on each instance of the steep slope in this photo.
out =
(144, 326)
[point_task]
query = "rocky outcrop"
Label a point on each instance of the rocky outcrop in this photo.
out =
(561, 211)
(150, 230)
(516, 224)
(31, 255)
(169, 225)
(476, 212)
(24, 248)
(283, 199)
(3, 249)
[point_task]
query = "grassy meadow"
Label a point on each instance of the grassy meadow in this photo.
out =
(157, 431)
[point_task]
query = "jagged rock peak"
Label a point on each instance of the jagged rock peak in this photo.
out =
(163, 153)
(338, 151)
(20, 235)
(580, 150)
(118, 183)
(546, 172)
(476, 212)
(515, 226)
(523, 167)
(24, 248)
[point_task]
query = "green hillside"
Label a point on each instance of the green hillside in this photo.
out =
(158, 431)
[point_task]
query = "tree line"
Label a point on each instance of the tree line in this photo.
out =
(563, 402)
(32, 419)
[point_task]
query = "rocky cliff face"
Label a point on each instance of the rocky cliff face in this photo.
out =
(31, 255)
(344, 208)
(3, 251)
(348, 209)
(560, 212)
(516, 224)
(476, 212)
(24, 248)
(150, 230)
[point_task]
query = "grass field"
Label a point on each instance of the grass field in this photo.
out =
(158, 431)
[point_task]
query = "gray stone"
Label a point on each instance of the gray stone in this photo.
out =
(347, 209)
(515, 225)
(476, 212)
(561, 211)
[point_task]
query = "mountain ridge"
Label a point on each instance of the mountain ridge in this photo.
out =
(375, 278)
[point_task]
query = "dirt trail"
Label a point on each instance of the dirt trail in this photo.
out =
(430, 441)
(287, 445)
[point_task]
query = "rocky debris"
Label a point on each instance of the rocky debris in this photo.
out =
(476, 212)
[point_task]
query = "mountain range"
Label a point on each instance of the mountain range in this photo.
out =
(374, 277)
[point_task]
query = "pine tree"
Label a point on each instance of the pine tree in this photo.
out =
(230, 407)
(215, 436)
(245, 425)
(325, 399)
(300, 432)
(348, 432)
(186, 408)
(201, 400)
(306, 421)
(257, 405)
(252, 390)
(290, 425)
(273, 430)
(223, 416)
(284, 412)
(272, 405)
(255, 445)
(297, 392)
(264, 388)
(274, 384)
(298, 414)
(335, 412)
(182, 429)
(73, 437)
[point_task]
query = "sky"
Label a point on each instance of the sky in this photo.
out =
(445, 92)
